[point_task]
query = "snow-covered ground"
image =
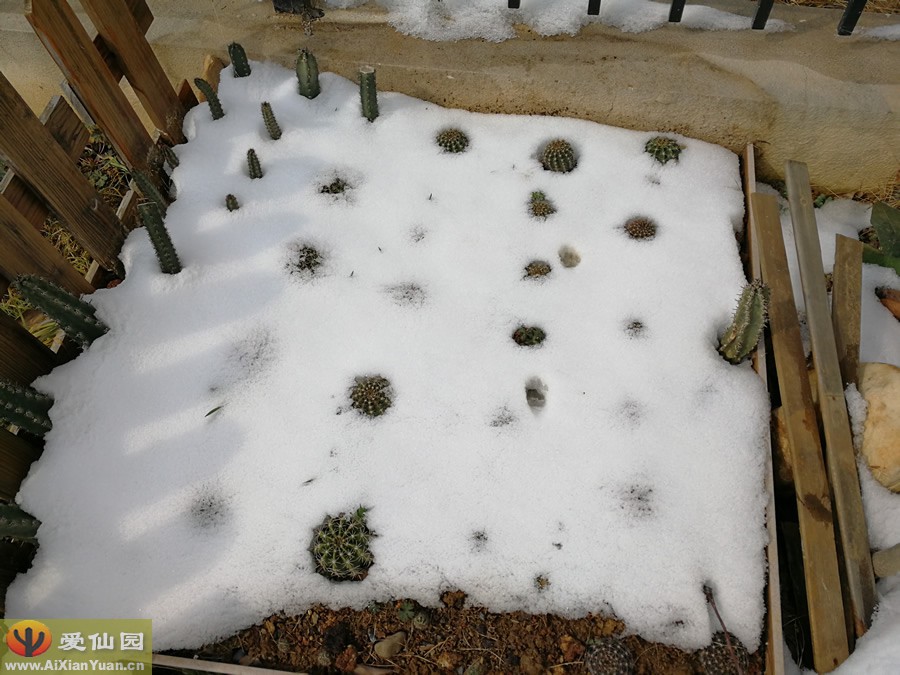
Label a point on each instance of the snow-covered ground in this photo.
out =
(639, 480)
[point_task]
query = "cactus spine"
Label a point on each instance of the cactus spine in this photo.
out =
(253, 167)
(747, 324)
(307, 74)
(231, 203)
(76, 317)
(368, 94)
(559, 156)
(239, 63)
(16, 524)
(270, 121)
(159, 236)
(340, 547)
(148, 189)
(25, 407)
(215, 106)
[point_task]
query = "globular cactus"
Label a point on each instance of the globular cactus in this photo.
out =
(663, 149)
(340, 547)
(76, 317)
(25, 407)
(238, 57)
(452, 140)
(307, 74)
(16, 524)
(338, 186)
(306, 261)
(159, 237)
(270, 121)
(537, 268)
(726, 655)
(559, 156)
(146, 187)
(608, 656)
(747, 324)
(371, 395)
(215, 106)
(540, 206)
(640, 228)
(368, 93)
(253, 167)
(231, 203)
(528, 336)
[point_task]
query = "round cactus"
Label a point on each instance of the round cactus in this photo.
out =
(640, 228)
(608, 656)
(558, 156)
(528, 336)
(371, 395)
(537, 268)
(541, 207)
(720, 659)
(452, 140)
(340, 547)
(306, 260)
(663, 149)
(336, 187)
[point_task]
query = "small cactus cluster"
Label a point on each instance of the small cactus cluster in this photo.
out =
(77, 318)
(253, 167)
(335, 187)
(26, 408)
(306, 260)
(663, 149)
(558, 156)
(742, 335)
(528, 336)
(541, 582)
(239, 63)
(537, 268)
(368, 93)
(452, 140)
(307, 70)
(634, 329)
(215, 105)
(540, 206)
(371, 395)
(159, 237)
(721, 659)
(269, 120)
(608, 656)
(231, 203)
(16, 524)
(640, 228)
(340, 547)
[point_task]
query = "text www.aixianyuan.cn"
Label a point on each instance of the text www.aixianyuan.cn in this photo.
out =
(53, 665)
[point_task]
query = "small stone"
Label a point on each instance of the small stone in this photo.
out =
(571, 648)
(879, 384)
(530, 663)
(391, 645)
(346, 660)
(448, 660)
(569, 257)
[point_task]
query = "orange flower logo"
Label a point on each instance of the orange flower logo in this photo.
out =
(29, 638)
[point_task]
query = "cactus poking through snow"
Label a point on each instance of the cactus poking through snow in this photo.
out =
(169, 157)
(340, 547)
(559, 156)
(270, 121)
(540, 206)
(25, 407)
(368, 93)
(215, 106)
(640, 228)
(747, 324)
(239, 63)
(371, 395)
(253, 167)
(16, 524)
(146, 187)
(452, 140)
(76, 317)
(663, 149)
(528, 336)
(231, 203)
(608, 656)
(307, 74)
(159, 236)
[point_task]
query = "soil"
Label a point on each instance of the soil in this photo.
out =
(450, 639)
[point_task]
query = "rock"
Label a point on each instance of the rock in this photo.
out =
(890, 298)
(571, 648)
(530, 663)
(346, 660)
(569, 257)
(879, 384)
(391, 645)
(448, 660)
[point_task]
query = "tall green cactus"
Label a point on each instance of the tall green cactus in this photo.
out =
(76, 317)
(307, 74)
(747, 324)
(159, 237)
(238, 57)
(16, 524)
(270, 121)
(368, 93)
(215, 106)
(169, 157)
(25, 407)
(148, 189)
(253, 167)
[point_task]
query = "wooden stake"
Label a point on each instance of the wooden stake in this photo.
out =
(846, 297)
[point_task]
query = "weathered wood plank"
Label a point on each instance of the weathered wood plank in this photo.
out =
(823, 586)
(186, 95)
(16, 456)
(22, 357)
(124, 36)
(846, 296)
(38, 159)
(68, 43)
(851, 518)
(887, 561)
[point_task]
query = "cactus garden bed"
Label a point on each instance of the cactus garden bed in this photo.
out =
(398, 361)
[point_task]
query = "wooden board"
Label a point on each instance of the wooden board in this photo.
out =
(846, 296)
(16, 456)
(823, 586)
(851, 519)
(24, 357)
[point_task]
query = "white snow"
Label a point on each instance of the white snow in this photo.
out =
(640, 480)
(891, 32)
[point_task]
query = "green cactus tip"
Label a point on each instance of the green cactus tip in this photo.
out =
(253, 167)
(307, 70)
(77, 318)
(215, 106)
(640, 228)
(340, 547)
(663, 149)
(540, 206)
(159, 237)
(269, 120)
(16, 524)
(371, 395)
(559, 156)
(742, 335)
(231, 203)
(452, 140)
(239, 63)
(368, 93)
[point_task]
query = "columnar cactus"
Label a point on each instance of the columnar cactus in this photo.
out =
(368, 93)
(558, 156)
(340, 547)
(663, 149)
(239, 63)
(307, 74)
(76, 317)
(452, 140)
(159, 236)
(270, 121)
(215, 106)
(747, 324)
(148, 189)
(253, 167)
(16, 524)
(231, 203)
(25, 407)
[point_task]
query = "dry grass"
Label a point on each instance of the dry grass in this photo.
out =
(877, 6)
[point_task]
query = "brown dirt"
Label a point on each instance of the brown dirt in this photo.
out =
(467, 640)
(878, 6)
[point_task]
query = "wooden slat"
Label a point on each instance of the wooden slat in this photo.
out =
(186, 95)
(841, 456)
(39, 159)
(16, 456)
(887, 562)
(68, 43)
(123, 35)
(823, 586)
(23, 357)
(212, 70)
(846, 296)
